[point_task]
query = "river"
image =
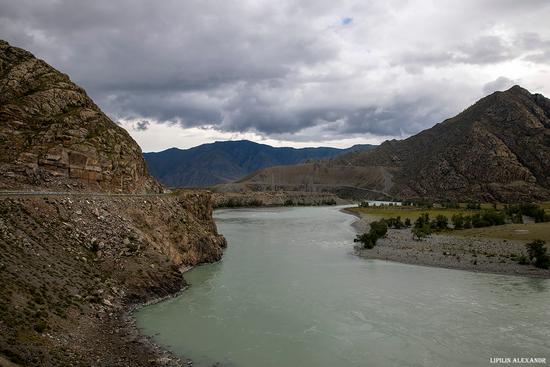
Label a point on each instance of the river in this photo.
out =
(290, 292)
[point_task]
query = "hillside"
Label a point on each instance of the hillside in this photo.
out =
(226, 161)
(496, 150)
(54, 136)
(73, 264)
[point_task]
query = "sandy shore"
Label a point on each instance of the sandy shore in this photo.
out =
(473, 254)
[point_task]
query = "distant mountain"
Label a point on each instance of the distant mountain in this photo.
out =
(498, 149)
(226, 161)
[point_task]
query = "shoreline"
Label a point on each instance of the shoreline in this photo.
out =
(165, 355)
(474, 254)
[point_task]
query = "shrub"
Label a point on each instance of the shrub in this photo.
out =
(377, 229)
(395, 223)
(407, 222)
(537, 254)
(423, 219)
(439, 223)
(495, 218)
(368, 240)
(458, 221)
(420, 233)
(473, 205)
(289, 202)
(40, 326)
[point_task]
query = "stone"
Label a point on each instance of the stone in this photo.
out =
(53, 129)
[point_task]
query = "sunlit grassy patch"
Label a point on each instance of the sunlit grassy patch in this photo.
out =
(522, 232)
(410, 212)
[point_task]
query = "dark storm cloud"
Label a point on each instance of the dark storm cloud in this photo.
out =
(142, 125)
(332, 69)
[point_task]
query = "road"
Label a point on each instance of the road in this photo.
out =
(73, 193)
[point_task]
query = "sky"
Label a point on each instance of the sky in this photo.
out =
(178, 73)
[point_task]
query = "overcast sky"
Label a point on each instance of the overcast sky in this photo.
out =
(300, 73)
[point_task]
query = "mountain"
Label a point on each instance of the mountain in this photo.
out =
(73, 266)
(54, 136)
(496, 150)
(225, 161)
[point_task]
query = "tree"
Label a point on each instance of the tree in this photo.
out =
(395, 223)
(377, 229)
(458, 221)
(537, 254)
(419, 233)
(440, 222)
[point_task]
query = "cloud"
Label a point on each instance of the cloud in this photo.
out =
(142, 125)
(499, 84)
(310, 70)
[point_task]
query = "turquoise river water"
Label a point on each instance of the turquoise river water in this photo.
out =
(290, 292)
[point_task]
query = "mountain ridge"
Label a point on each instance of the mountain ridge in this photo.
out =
(226, 161)
(498, 149)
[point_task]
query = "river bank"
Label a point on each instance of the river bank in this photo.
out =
(73, 270)
(477, 254)
(274, 198)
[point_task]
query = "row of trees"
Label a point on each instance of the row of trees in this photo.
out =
(516, 212)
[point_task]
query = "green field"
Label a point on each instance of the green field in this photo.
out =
(409, 211)
(521, 232)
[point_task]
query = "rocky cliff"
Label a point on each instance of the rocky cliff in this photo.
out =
(72, 264)
(496, 150)
(52, 135)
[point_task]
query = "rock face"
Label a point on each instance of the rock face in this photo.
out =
(53, 135)
(496, 150)
(71, 266)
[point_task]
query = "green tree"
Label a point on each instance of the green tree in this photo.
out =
(537, 253)
(419, 233)
(440, 222)
(379, 228)
(458, 221)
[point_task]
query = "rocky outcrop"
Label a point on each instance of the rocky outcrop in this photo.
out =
(496, 150)
(71, 266)
(52, 135)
